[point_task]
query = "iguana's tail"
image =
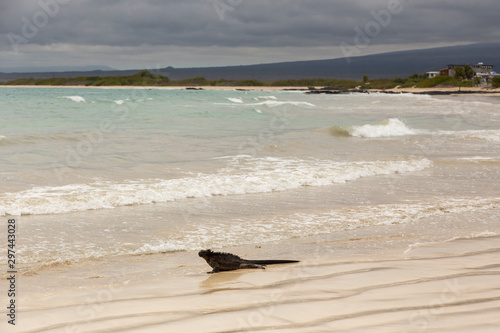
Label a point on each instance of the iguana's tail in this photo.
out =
(272, 262)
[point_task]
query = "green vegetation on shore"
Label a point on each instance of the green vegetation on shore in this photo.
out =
(142, 78)
(437, 81)
(496, 82)
(146, 78)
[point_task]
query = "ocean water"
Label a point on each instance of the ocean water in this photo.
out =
(97, 173)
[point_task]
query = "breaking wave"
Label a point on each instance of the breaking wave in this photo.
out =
(244, 175)
(395, 128)
(388, 128)
(273, 103)
(78, 99)
(269, 102)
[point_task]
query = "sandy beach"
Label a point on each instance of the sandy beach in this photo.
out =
(448, 286)
(478, 90)
(489, 91)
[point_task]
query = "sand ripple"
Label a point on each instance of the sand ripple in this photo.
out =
(436, 287)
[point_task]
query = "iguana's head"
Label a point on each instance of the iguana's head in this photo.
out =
(205, 253)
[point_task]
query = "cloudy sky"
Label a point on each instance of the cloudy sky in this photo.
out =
(128, 34)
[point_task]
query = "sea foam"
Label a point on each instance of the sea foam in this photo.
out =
(268, 102)
(489, 135)
(274, 103)
(244, 175)
(312, 224)
(78, 99)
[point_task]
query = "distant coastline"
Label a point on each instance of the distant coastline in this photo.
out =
(491, 92)
(416, 84)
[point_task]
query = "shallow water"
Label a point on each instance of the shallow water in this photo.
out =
(98, 173)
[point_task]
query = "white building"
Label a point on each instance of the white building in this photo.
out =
(432, 74)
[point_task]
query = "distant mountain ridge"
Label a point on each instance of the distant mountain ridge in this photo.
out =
(386, 65)
(47, 69)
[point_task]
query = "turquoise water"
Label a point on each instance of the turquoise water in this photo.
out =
(101, 172)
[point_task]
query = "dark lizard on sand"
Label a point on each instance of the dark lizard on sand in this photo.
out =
(221, 261)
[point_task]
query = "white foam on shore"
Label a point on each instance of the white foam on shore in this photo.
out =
(78, 99)
(301, 225)
(161, 247)
(476, 158)
(489, 135)
(235, 100)
(473, 235)
(254, 230)
(242, 176)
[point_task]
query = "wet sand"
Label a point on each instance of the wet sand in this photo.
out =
(384, 283)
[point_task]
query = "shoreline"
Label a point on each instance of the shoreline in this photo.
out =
(240, 88)
(448, 91)
(414, 287)
(317, 90)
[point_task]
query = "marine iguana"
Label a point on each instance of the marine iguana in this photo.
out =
(222, 261)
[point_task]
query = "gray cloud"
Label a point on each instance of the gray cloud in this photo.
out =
(303, 27)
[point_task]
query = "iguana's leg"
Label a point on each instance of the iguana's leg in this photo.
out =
(251, 266)
(215, 266)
